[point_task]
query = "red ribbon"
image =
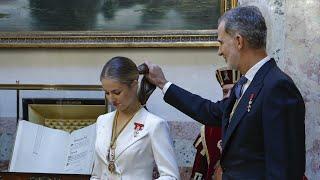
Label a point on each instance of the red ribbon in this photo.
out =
(138, 126)
(251, 96)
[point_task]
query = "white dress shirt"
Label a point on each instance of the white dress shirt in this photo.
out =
(253, 71)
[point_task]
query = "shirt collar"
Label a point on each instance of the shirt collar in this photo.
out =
(254, 69)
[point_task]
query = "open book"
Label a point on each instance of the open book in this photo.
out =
(39, 149)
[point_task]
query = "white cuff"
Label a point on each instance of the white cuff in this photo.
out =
(166, 87)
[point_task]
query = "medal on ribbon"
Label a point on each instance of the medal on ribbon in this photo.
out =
(250, 102)
(111, 153)
(137, 127)
(111, 167)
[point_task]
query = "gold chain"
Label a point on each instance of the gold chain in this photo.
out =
(111, 154)
(114, 128)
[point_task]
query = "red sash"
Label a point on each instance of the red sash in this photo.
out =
(207, 154)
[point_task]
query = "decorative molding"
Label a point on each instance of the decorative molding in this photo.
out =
(186, 38)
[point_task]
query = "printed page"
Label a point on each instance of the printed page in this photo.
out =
(81, 151)
(39, 149)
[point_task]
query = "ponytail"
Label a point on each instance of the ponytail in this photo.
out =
(146, 88)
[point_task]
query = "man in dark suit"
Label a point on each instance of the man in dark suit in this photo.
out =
(263, 131)
(206, 164)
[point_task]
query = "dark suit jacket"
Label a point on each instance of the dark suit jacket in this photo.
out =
(267, 142)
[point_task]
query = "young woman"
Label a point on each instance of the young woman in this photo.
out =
(131, 139)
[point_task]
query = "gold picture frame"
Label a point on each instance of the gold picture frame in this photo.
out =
(114, 39)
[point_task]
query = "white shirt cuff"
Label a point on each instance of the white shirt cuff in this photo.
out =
(166, 87)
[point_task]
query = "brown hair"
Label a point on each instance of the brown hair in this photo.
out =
(125, 71)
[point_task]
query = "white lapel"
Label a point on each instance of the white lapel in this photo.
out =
(104, 136)
(127, 138)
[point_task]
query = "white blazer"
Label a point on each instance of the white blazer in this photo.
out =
(135, 155)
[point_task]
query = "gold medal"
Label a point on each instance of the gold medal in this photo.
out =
(111, 167)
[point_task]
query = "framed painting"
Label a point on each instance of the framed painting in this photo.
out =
(110, 23)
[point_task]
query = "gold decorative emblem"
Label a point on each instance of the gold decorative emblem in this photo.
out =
(111, 167)
(111, 158)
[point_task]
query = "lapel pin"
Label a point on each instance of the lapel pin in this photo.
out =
(137, 127)
(250, 102)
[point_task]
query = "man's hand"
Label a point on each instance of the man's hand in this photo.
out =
(155, 75)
